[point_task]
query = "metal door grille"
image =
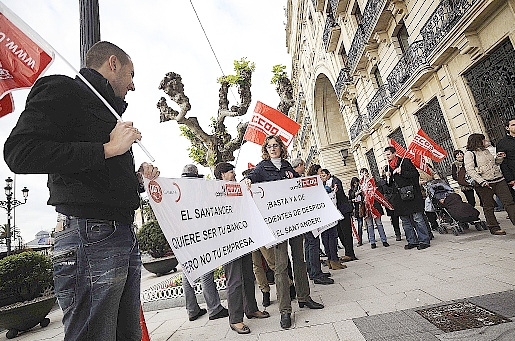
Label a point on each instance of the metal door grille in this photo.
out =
(492, 84)
(372, 163)
(397, 136)
(433, 124)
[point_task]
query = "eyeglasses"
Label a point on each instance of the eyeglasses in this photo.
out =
(272, 146)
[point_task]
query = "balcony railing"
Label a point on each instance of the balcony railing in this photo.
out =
(344, 78)
(378, 102)
(356, 128)
(329, 24)
(442, 20)
(411, 60)
(371, 15)
(312, 152)
(304, 129)
(318, 4)
(338, 6)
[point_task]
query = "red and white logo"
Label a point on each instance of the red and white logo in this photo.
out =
(309, 182)
(155, 191)
(233, 190)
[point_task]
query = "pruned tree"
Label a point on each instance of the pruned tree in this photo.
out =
(284, 88)
(208, 149)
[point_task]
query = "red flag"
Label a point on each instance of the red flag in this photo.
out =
(423, 145)
(24, 55)
(368, 186)
(250, 166)
(6, 105)
(269, 121)
(417, 159)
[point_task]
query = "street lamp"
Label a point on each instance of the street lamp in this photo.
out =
(9, 205)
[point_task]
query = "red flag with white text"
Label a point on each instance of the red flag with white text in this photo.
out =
(418, 160)
(24, 55)
(6, 105)
(371, 193)
(422, 144)
(268, 121)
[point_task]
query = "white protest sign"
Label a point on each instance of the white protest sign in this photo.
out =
(207, 223)
(318, 231)
(294, 206)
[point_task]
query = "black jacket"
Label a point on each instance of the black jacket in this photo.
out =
(266, 171)
(61, 133)
(409, 176)
(342, 201)
(507, 145)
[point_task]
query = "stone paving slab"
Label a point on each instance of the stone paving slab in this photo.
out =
(373, 299)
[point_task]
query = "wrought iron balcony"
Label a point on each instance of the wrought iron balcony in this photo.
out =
(344, 78)
(442, 20)
(338, 6)
(356, 128)
(328, 29)
(318, 4)
(312, 152)
(378, 102)
(373, 10)
(411, 60)
(304, 129)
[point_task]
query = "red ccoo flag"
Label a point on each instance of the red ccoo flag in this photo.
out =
(24, 55)
(6, 105)
(417, 159)
(269, 121)
(423, 145)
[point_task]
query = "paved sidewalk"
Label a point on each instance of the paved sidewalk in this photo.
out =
(375, 298)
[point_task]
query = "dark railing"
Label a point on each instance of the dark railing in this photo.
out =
(307, 122)
(312, 151)
(329, 24)
(378, 102)
(442, 20)
(411, 60)
(334, 6)
(356, 128)
(344, 78)
(371, 15)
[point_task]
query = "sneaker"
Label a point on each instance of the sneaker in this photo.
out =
(410, 246)
(221, 314)
(373, 246)
(496, 230)
(422, 246)
(323, 280)
(385, 244)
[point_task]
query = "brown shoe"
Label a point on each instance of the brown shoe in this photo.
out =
(336, 265)
(496, 230)
(345, 259)
(259, 315)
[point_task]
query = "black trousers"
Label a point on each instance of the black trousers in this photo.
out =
(345, 234)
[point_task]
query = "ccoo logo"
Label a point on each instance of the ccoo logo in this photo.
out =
(155, 191)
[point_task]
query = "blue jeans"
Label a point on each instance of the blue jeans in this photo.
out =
(312, 255)
(370, 229)
(415, 228)
(360, 229)
(97, 276)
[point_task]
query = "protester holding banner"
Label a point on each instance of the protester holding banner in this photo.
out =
(67, 132)
(343, 227)
(481, 165)
(241, 294)
(373, 210)
(356, 197)
(275, 167)
(312, 249)
(215, 309)
(407, 199)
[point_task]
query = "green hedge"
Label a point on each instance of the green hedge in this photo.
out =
(24, 275)
(152, 239)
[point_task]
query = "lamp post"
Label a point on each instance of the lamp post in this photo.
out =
(9, 205)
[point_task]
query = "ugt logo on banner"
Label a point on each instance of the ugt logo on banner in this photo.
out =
(268, 121)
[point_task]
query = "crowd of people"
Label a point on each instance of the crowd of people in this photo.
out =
(65, 131)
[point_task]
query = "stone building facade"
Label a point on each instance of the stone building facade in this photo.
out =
(365, 71)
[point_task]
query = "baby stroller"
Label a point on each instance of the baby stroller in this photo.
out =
(452, 213)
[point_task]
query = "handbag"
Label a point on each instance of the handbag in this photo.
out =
(407, 193)
(362, 210)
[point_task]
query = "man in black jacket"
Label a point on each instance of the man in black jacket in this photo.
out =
(409, 205)
(507, 145)
(67, 132)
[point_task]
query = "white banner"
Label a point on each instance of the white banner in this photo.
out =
(207, 223)
(294, 206)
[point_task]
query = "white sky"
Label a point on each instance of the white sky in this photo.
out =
(160, 36)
